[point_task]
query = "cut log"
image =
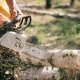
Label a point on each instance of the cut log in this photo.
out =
(47, 73)
(64, 58)
(31, 54)
(28, 53)
(69, 59)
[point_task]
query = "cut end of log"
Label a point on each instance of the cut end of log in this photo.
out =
(78, 61)
(17, 74)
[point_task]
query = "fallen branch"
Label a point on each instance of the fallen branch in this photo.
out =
(43, 6)
(45, 12)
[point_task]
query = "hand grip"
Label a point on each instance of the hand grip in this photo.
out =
(17, 19)
(25, 25)
(10, 26)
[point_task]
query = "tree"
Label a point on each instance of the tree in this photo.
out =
(72, 2)
(48, 4)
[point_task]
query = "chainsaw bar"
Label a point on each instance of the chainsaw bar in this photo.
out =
(27, 51)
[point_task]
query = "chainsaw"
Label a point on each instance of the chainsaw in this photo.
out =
(12, 39)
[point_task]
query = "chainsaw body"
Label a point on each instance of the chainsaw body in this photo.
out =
(27, 51)
(13, 39)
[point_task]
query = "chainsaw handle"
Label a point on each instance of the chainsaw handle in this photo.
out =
(10, 26)
(25, 25)
(17, 19)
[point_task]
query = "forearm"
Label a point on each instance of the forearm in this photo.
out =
(11, 4)
(13, 8)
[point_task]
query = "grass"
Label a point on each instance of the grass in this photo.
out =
(62, 33)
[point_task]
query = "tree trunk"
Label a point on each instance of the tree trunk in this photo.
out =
(72, 2)
(48, 4)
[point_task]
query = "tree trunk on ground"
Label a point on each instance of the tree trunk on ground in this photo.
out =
(69, 59)
(44, 73)
(64, 58)
(72, 2)
(48, 4)
(36, 73)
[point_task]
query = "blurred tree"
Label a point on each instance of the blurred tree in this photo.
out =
(48, 4)
(72, 2)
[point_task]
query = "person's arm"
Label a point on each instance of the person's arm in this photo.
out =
(13, 8)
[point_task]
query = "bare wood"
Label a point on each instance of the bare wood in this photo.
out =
(17, 74)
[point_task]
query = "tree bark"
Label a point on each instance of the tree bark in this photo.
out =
(46, 73)
(48, 4)
(64, 58)
(69, 59)
(72, 2)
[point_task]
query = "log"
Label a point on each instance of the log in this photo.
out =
(72, 10)
(30, 5)
(22, 51)
(46, 73)
(31, 54)
(69, 59)
(45, 12)
(64, 58)
(72, 16)
(28, 53)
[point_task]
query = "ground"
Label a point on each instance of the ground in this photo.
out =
(52, 32)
